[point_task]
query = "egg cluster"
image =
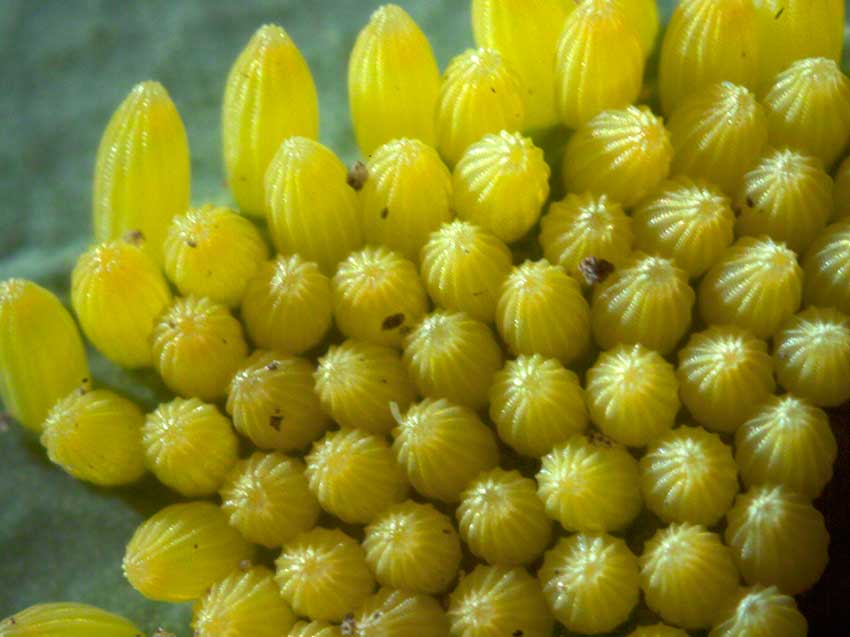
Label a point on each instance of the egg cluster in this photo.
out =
(443, 385)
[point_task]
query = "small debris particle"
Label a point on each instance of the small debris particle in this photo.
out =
(275, 422)
(5, 422)
(194, 546)
(518, 633)
(393, 321)
(273, 366)
(595, 270)
(779, 13)
(191, 243)
(385, 213)
(750, 202)
(161, 632)
(245, 565)
(135, 237)
(377, 615)
(347, 627)
(447, 531)
(599, 439)
(358, 175)
(172, 325)
(479, 292)
(383, 380)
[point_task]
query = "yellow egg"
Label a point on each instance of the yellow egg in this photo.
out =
(377, 296)
(598, 62)
(450, 355)
(687, 575)
(632, 394)
(354, 475)
(179, 552)
(788, 441)
(841, 193)
(96, 436)
(827, 269)
(323, 575)
(761, 611)
(686, 220)
(757, 284)
(42, 357)
(357, 382)
(442, 446)
(463, 267)
(778, 538)
(413, 547)
(197, 347)
(501, 183)
(536, 404)
(623, 153)
(243, 604)
(118, 292)
(718, 134)
(583, 226)
(493, 601)
(287, 305)
(269, 96)
(725, 374)
(393, 81)
(591, 582)
(391, 613)
(66, 619)
(590, 483)
(697, 49)
(481, 93)
(407, 196)
(811, 353)
(643, 16)
(502, 520)
(272, 402)
(541, 310)
(314, 629)
(189, 446)
(689, 475)
(310, 207)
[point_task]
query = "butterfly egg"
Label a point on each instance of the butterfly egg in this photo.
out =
(648, 302)
(502, 520)
(583, 226)
(322, 574)
(591, 582)
(598, 62)
(492, 601)
(269, 96)
(450, 355)
(841, 192)
(480, 93)
(695, 52)
(826, 268)
(414, 547)
(197, 347)
(66, 619)
(42, 357)
(686, 220)
(623, 153)
(541, 310)
(688, 475)
(142, 173)
(118, 292)
(393, 81)
(95, 436)
(463, 267)
(787, 196)
(442, 446)
(811, 353)
(718, 134)
(777, 538)
(808, 109)
(687, 575)
(272, 402)
(526, 36)
(725, 374)
(354, 475)
(392, 613)
(407, 196)
(179, 552)
(377, 296)
(310, 208)
(243, 604)
(211, 251)
(189, 446)
(788, 441)
(501, 183)
(790, 30)
(632, 394)
(757, 284)
(267, 498)
(314, 629)
(357, 382)
(536, 404)
(657, 630)
(761, 610)
(590, 483)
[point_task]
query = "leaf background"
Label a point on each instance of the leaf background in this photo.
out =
(64, 66)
